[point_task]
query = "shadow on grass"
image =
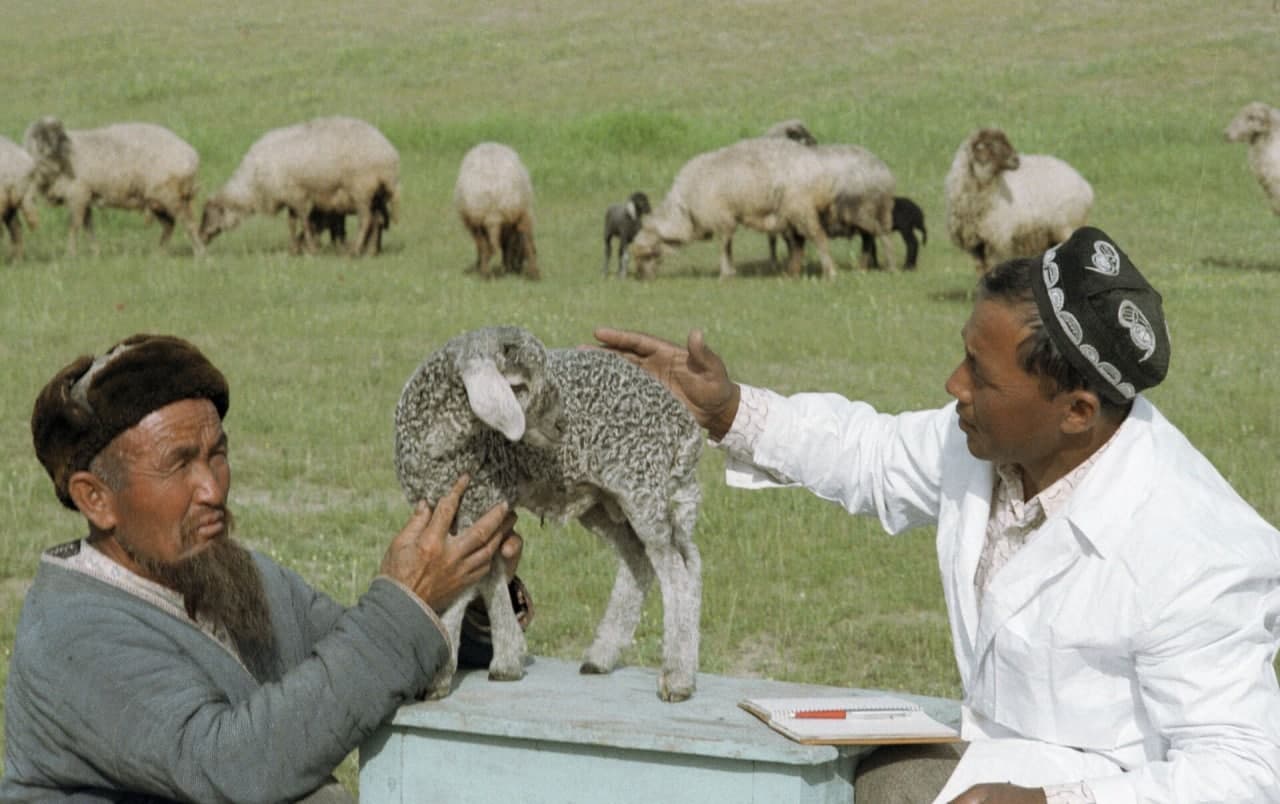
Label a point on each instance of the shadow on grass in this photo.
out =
(1241, 264)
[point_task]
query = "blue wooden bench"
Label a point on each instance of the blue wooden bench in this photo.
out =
(560, 737)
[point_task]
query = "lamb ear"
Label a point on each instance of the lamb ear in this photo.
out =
(491, 398)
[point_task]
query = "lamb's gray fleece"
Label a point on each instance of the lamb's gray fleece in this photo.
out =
(139, 166)
(563, 433)
(336, 165)
(1001, 205)
(1259, 125)
(17, 192)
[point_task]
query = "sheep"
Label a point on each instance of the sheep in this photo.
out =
(338, 165)
(863, 203)
(563, 433)
(907, 218)
(622, 221)
(1001, 205)
(124, 165)
(494, 199)
(17, 193)
(1259, 125)
(771, 184)
(793, 130)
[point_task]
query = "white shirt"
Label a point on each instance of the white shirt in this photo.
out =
(1128, 645)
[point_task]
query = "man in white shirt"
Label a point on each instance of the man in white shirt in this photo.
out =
(1114, 605)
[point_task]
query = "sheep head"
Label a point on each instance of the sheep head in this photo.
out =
(504, 372)
(990, 152)
(638, 205)
(217, 217)
(1255, 121)
(47, 142)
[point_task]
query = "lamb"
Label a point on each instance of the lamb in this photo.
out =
(1001, 205)
(563, 433)
(907, 218)
(337, 165)
(17, 193)
(622, 221)
(1259, 125)
(494, 199)
(771, 184)
(125, 165)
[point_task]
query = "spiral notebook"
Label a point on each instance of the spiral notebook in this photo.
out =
(850, 720)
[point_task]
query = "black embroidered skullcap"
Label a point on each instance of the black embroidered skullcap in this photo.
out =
(92, 400)
(1102, 314)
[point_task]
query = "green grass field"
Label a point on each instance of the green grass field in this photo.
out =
(600, 102)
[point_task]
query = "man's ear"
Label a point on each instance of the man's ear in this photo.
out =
(1083, 412)
(94, 499)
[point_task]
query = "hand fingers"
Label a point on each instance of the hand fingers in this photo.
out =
(623, 341)
(447, 507)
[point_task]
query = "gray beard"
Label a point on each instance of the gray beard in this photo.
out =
(222, 585)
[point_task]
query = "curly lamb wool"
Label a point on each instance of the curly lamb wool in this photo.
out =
(563, 433)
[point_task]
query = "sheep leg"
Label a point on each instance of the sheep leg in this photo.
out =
(626, 601)
(887, 240)
(823, 244)
(14, 226)
(795, 252)
(166, 225)
(507, 663)
(188, 219)
(608, 252)
(442, 683)
(364, 238)
(868, 255)
(773, 251)
(295, 237)
(679, 571)
(913, 249)
(726, 256)
(525, 228)
(624, 255)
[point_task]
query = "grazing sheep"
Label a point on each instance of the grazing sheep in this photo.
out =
(125, 165)
(864, 199)
(338, 165)
(17, 193)
(494, 198)
(770, 184)
(622, 221)
(1001, 205)
(793, 130)
(563, 433)
(1259, 125)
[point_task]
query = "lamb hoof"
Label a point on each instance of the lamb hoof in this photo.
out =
(438, 693)
(593, 669)
(501, 674)
(672, 688)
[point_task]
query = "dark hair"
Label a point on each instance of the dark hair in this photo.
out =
(1010, 282)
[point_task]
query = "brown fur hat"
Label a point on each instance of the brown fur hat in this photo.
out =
(92, 400)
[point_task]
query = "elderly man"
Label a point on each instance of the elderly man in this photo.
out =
(1114, 604)
(158, 659)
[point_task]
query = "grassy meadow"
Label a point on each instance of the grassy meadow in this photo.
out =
(600, 101)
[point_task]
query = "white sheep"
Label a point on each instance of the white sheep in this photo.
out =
(563, 433)
(622, 223)
(1001, 205)
(770, 184)
(1259, 125)
(334, 166)
(494, 199)
(139, 166)
(17, 193)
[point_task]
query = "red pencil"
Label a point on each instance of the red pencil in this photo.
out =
(821, 714)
